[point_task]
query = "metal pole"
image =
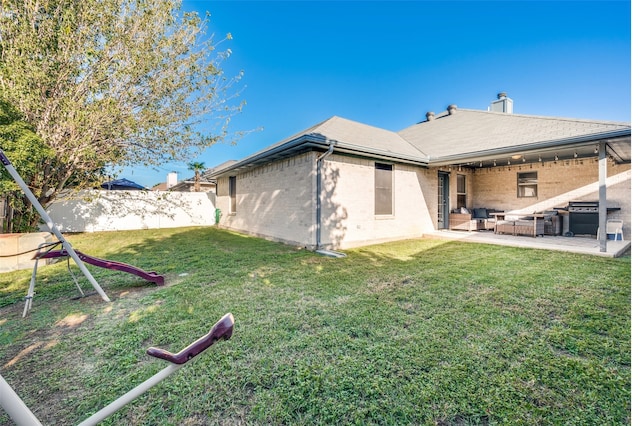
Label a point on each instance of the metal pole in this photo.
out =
(54, 229)
(131, 395)
(14, 406)
(602, 196)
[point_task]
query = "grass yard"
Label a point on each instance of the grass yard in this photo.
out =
(422, 332)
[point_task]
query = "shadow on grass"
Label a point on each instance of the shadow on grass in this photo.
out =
(200, 255)
(413, 332)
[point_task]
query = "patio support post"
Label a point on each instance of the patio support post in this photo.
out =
(602, 194)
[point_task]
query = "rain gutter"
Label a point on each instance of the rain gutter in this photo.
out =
(311, 141)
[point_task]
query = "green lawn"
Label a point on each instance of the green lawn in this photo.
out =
(423, 332)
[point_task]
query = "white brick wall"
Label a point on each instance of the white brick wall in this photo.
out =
(12, 244)
(351, 196)
(278, 201)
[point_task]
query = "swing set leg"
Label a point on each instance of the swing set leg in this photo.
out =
(54, 229)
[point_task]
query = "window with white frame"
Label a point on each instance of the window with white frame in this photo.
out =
(527, 184)
(461, 191)
(232, 194)
(383, 189)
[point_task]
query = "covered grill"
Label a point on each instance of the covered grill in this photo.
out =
(584, 217)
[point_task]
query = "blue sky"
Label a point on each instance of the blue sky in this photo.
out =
(387, 63)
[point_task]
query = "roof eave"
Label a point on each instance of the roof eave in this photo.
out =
(309, 142)
(547, 145)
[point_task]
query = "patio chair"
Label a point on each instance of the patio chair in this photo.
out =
(614, 227)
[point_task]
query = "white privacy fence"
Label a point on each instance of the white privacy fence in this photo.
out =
(92, 211)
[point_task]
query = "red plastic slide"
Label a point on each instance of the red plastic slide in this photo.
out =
(107, 264)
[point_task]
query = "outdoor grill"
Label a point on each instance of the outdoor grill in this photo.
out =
(584, 217)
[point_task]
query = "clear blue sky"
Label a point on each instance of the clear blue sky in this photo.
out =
(387, 63)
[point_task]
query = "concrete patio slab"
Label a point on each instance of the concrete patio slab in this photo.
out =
(577, 244)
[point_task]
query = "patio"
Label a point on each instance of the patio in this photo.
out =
(577, 244)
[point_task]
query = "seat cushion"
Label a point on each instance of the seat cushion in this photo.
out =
(480, 213)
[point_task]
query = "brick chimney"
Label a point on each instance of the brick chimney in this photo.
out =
(502, 104)
(172, 179)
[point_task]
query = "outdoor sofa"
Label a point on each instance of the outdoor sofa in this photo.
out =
(477, 219)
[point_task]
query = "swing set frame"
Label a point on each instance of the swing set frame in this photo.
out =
(11, 402)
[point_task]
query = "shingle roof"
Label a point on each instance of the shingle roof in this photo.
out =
(347, 136)
(354, 134)
(469, 131)
(464, 133)
(209, 173)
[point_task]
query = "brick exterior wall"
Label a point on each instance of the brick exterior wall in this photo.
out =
(558, 183)
(349, 218)
(277, 201)
(274, 201)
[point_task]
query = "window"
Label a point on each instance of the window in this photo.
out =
(461, 190)
(384, 189)
(232, 194)
(527, 184)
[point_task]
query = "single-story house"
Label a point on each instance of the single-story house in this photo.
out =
(189, 185)
(342, 183)
(207, 181)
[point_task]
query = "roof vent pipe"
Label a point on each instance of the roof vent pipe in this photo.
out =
(431, 116)
(452, 109)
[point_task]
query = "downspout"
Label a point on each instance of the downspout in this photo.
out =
(319, 193)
